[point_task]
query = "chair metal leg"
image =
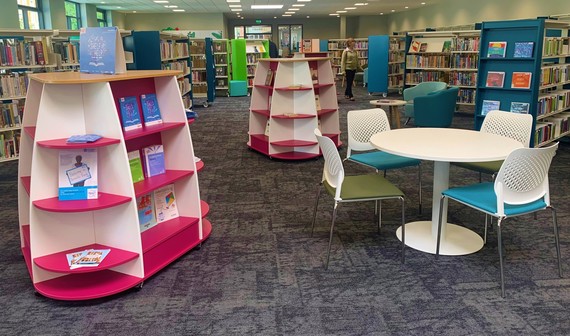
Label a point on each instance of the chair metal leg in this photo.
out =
(407, 121)
(316, 205)
(556, 239)
(420, 188)
(486, 223)
(439, 224)
(403, 230)
(500, 247)
(331, 235)
(379, 214)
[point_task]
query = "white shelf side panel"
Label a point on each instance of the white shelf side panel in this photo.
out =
(257, 123)
(325, 73)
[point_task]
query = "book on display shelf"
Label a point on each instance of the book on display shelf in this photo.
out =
(101, 51)
(135, 165)
(151, 111)
(86, 258)
(415, 46)
(146, 212)
(78, 174)
(269, 77)
(523, 49)
(495, 79)
(130, 115)
(154, 160)
(489, 105)
(517, 107)
(497, 49)
(521, 80)
(165, 203)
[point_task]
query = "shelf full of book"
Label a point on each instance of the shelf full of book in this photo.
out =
(524, 69)
(93, 221)
(221, 64)
(336, 47)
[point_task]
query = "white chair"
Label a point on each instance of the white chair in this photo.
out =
(521, 187)
(363, 124)
(358, 188)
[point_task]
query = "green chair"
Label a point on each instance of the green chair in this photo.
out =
(421, 89)
(436, 109)
(521, 188)
(358, 188)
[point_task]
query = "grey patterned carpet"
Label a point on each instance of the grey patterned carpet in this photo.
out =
(260, 272)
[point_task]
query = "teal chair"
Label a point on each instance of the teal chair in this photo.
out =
(421, 89)
(521, 188)
(436, 109)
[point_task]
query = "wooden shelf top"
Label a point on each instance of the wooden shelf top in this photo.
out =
(290, 60)
(80, 78)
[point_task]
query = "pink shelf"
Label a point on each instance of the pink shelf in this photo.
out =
(294, 156)
(318, 86)
(294, 143)
(322, 112)
(302, 88)
(31, 131)
(152, 183)
(296, 116)
(191, 121)
(62, 144)
(262, 112)
(164, 231)
(259, 142)
(141, 132)
(269, 87)
(104, 201)
(199, 166)
(205, 208)
(26, 182)
(86, 286)
(57, 262)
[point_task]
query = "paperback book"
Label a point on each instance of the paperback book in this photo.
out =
(130, 115)
(269, 77)
(489, 105)
(523, 49)
(151, 112)
(86, 258)
(154, 160)
(495, 79)
(135, 164)
(415, 46)
(521, 80)
(423, 47)
(146, 212)
(165, 203)
(446, 46)
(518, 107)
(83, 138)
(78, 174)
(101, 50)
(497, 49)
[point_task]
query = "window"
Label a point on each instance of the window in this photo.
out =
(73, 15)
(29, 13)
(101, 17)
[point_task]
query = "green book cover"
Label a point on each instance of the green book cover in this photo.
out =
(136, 166)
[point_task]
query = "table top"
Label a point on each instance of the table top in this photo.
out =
(445, 144)
(388, 102)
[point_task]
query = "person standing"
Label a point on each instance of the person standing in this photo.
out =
(348, 66)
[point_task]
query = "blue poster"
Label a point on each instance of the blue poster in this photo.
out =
(97, 49)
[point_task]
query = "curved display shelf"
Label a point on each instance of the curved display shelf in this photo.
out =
(103, 202)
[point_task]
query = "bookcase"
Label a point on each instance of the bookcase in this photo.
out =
(396, 62)
(203, 70)
(379, 50)
(245, 55)
(336, 46)
(21, 52)
(65, 44)
(524, 68)
(66, 103)
(290, 98)
(221, 65)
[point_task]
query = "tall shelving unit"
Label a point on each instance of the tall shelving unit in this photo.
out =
(398, 45)
(548, 96)
(23, 51)
(287, 105)
(175, 55)
(379, 51)
(203, 70)
(336, 46)
(221, 65)
(65, 43)
(62, 104)
(464, 60)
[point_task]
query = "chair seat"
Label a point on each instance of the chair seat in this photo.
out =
(365, 186)
(383, 161)
(482, 196)
(489, 167)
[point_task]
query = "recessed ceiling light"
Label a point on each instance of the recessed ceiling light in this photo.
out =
(341, 11)
(393, 10)
(266, 6)
(423, 3)
(298, 5)
(293, 9)
(232, 0)
(236, 9)
(350, 8)
(170, 6)
(361, 4)
(134, 11)
(303, 0)
(289, 12)
(178, 10)
(335, 14)
(406, 7)
(160, 1)
(308, 16)
(275, 17)
(235, 6)
(119, 7)
(286, 15)
(381, 13)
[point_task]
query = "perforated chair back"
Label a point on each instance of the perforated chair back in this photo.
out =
(516, 126)
(523, 177)
(362, 124)
(333, 172)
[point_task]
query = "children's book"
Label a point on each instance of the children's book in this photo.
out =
(517, 107)
(523, 49)
(146, 212)
(446, 46)
(495, 79)
(415, 46)
(489, 105)
(315, 76)
(269, 77)
(83, 138)
(135, 164)
(423, 47)
(151, 112)
(101, 51)
(78, 174)
(165, 203)
(130, 115)
(497, 49)
(86, 258)
(521, 80)
(154, 160)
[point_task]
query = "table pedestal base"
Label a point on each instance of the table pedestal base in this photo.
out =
(459, 240)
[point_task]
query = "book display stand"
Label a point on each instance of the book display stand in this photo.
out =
(63, 104)
(290, 98)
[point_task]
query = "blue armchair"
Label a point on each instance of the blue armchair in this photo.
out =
(436, 109)
(421, 89)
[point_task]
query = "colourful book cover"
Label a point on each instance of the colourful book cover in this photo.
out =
(521, 80)
(497, 49)
(415, 46)
(130, 115)
(90, 258)
(165, 204)
(489, 105)
(151, 111)
(135, 164)
(517, 107)
(154, 160)
(446, 46)
(146, 212)
(523, 49)
(97, 48)
(495, 79)
(78, 174)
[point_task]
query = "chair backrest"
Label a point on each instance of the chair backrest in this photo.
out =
(436, 109)
(523, 177)
(362, 124)
(333, 172)
(423, 89)
(516, 126)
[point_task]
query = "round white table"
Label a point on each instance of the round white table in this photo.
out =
(393, 108)
(443, 145)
